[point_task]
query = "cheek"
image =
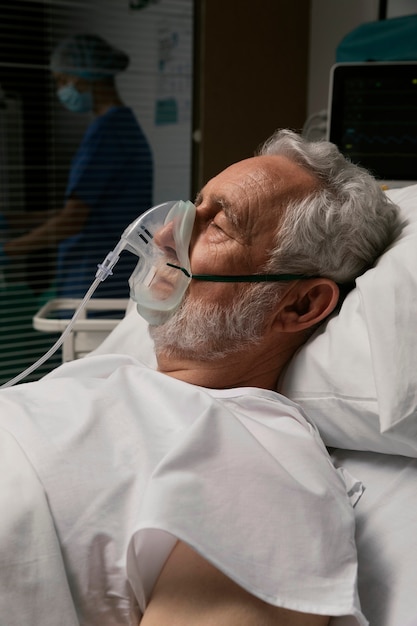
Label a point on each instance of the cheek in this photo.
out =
(228, 257)
(211, 292)
(208, 259)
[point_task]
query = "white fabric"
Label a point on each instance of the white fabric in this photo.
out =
(130, 338)
(131, 459)
(33, 582)
(386, 537)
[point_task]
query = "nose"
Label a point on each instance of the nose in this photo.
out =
(164, 239)
(202, 218)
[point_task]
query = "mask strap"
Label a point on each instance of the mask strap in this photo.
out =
(245, 278)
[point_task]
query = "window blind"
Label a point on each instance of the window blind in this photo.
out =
(38, 137)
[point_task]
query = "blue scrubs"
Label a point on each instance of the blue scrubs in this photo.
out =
(112, 172)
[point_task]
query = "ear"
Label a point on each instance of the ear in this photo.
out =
(305, 304)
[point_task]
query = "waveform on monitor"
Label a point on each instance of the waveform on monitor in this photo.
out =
(353, 137)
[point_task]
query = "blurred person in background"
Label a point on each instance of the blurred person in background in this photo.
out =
(110, 180)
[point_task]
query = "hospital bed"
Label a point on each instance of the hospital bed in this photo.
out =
(89, 330)
(356, 378)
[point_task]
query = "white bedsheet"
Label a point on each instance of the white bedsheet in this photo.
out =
(121, 450)
(33, 581)
(386, 535)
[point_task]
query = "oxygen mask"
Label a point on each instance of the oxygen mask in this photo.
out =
(161, 239)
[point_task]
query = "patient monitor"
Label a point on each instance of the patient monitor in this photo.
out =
(372, 118)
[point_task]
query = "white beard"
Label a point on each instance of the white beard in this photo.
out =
(207, 331)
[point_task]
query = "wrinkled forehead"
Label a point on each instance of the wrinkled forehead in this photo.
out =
(260, 184)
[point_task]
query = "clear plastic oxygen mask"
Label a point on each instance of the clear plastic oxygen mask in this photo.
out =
(161, 239)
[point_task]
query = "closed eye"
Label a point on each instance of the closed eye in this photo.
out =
(223, 218)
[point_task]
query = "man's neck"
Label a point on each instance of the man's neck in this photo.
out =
(248, 368)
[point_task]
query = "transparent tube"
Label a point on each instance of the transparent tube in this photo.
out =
(58, 342)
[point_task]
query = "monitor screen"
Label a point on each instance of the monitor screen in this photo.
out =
(373, 116)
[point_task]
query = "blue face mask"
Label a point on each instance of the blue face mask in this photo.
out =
(75, 101)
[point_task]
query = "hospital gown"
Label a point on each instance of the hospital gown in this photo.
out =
(110, 462)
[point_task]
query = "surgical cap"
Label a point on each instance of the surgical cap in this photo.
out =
(88, 56)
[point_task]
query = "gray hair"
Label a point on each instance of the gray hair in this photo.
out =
(340, 228)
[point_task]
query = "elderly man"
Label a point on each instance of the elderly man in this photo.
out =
(195, 493)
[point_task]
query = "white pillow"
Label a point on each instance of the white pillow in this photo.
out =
(356, 378)
(130, 337)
